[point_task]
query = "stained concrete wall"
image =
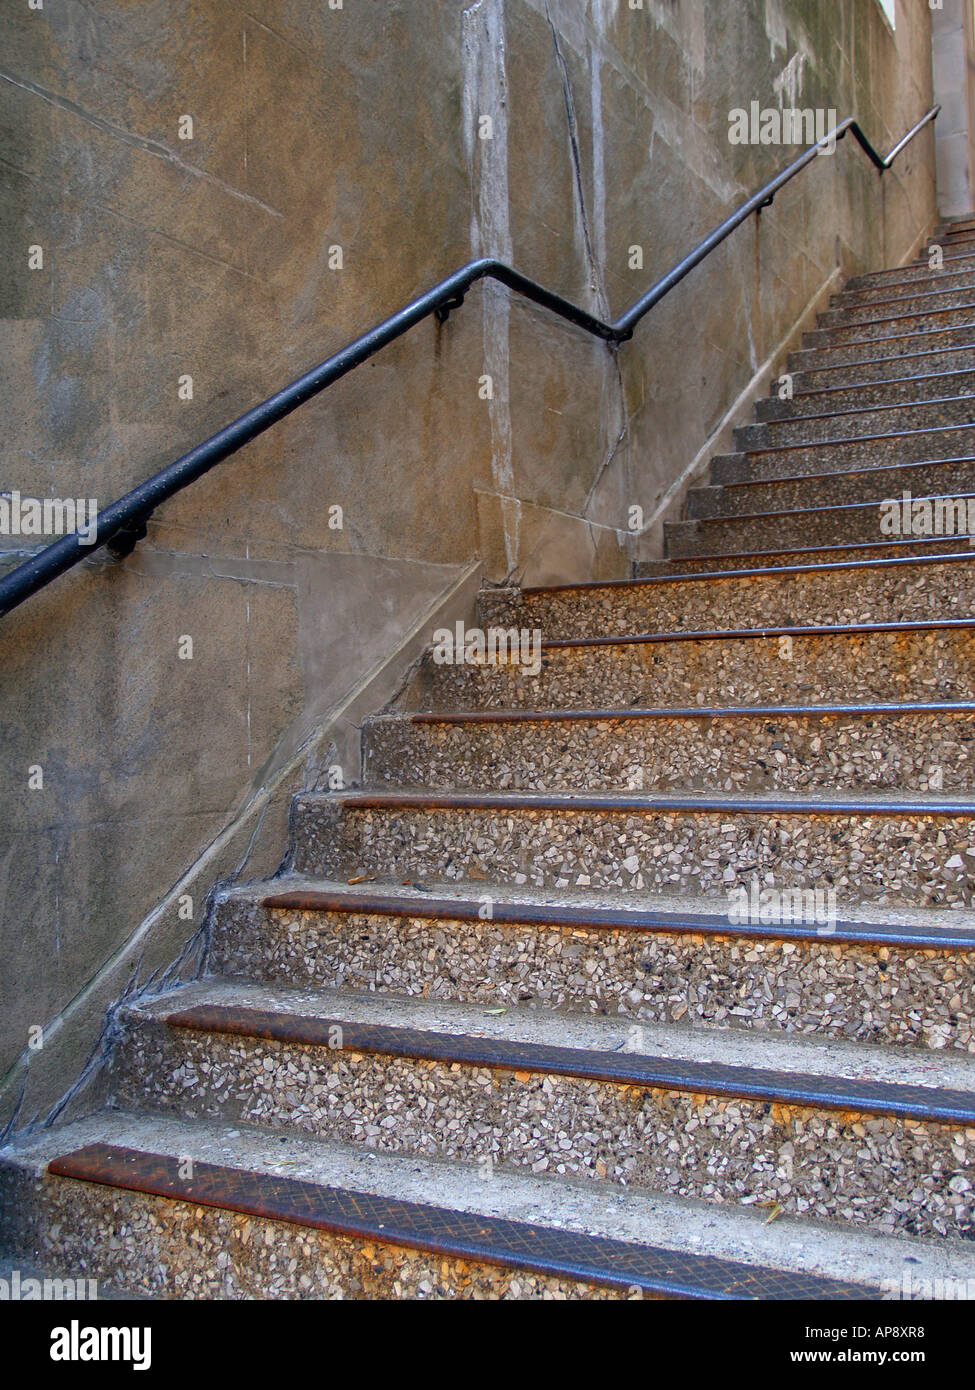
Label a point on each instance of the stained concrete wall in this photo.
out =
(953, 60)
(214, 257)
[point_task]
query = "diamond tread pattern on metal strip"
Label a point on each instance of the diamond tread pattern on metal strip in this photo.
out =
(555, 915)
(491, 1240)
(935, 1104)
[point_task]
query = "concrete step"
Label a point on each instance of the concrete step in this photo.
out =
(914, 851)
(802, 557)
(955, 239)
(956, 260)
(894, 447)
(810, 527)
(867, 395)
(857, 420)
(856, 592)
(889, 977)
(891, 355)
(936, 282)
(803, 747)
(844, 313)
(954, 224)
(881, 661)
(883, 327)
(873, 1137)
(947, 478)
(316, 1219)
(821, 376)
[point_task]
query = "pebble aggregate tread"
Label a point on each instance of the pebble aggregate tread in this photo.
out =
(938, 1105)
(441, 1231)
(566, 915)
(887, 562)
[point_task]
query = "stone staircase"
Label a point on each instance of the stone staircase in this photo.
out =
(496, 1031)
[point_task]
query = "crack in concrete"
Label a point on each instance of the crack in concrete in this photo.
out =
(595, 280)
(138, 142)
(175, 241)
(613, 449)
(295, 48)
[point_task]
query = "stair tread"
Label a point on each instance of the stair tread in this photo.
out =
(775, 1068)
(905, 318)
(803, 394)
(865, 471)
(770, 571)
(443, 1231)
(497, 715)
(883, 803)
(786, 803)
(916, 547)
(656, 1221)
(747, 633)
(903, 274)
(791, 446)
(924, 928)
(826, 507)
(857, 411)
(847, 299)
(816, 350)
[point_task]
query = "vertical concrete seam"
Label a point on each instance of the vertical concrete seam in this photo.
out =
(484, 92)
(595, 278)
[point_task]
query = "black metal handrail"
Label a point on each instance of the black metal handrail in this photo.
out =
(122, 525)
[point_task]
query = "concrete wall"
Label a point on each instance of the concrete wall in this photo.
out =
(316, 128)
(953, 61)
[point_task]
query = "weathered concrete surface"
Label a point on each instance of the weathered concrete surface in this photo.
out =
(357, 128)
(150, 854)
(953, 64)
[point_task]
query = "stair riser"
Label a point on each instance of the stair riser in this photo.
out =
(895, 593)
(803, 530)
(950, 479)
(953, 281)
(768, 434)
(864, 395)
(896, 354)
(744, 754)
(918, 270)
(708, 564)
(878, 994)
(834, 457)
(811, 373)
(953, 239)
(822, 1163)
(887, 860)
(845, 314)
(892, 326)
(935, 665)
(181, 1250)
